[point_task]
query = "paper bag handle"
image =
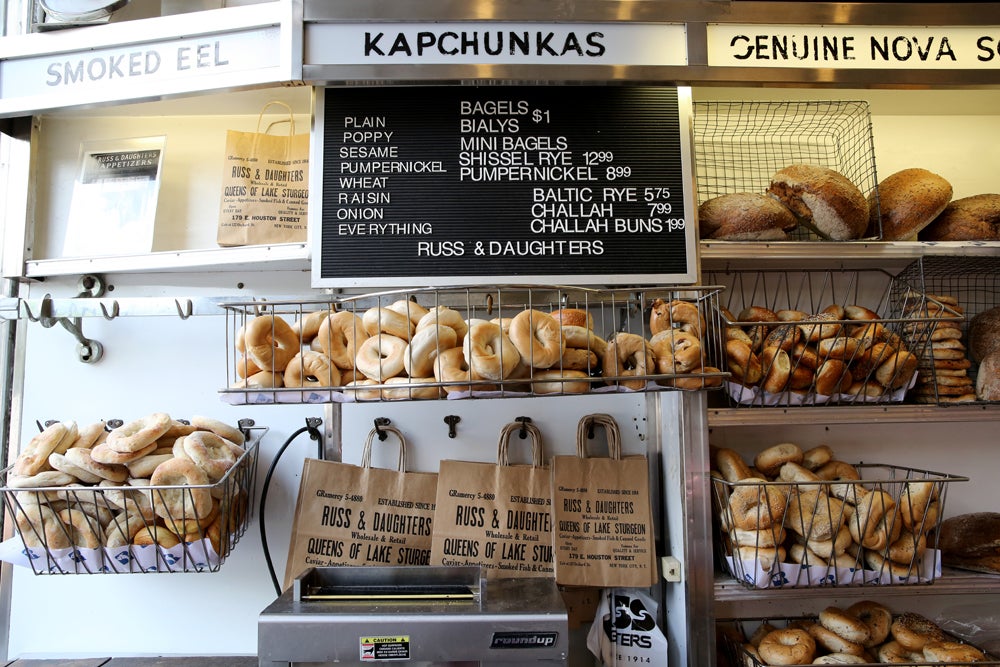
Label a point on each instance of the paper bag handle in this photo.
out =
(503, 445)
(290, 120)
(366, 456)
(584, 433)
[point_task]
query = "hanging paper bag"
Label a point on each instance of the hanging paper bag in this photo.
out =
(602, 528)
(624, 631)
(497, 515)
(265, 185)
(359, 515)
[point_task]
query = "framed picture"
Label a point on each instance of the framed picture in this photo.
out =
(113, 209)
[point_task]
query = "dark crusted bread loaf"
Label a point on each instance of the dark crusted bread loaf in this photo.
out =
(975, 218)
(908, 201)
(823, 200)
(745, 216)
(971, 541)
(988, 377)
(984, 333)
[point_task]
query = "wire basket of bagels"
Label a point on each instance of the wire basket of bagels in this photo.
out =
(802, 518)
(961, 362)
(155, 494)
(866, 632)
(823, 336)
(782, 171)
(473, 342)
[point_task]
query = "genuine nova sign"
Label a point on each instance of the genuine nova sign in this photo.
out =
(854, 47)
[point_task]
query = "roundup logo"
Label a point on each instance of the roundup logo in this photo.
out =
(631, 623)
(524, 639)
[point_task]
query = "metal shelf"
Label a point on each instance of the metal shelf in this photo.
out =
(951, 582)
(853, 414)
(733, 600)
(281, 257)
(719, 254)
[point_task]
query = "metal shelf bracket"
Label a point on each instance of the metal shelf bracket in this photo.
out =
(88, 351)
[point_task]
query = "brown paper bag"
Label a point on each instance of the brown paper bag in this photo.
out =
(265, 186)
(603, 529)
(496, 516)
(359, 515)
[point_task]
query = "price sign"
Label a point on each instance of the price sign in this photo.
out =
(503, 185)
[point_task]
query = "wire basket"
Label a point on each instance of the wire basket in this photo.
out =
(471, 342)
(973, 284)
(806, 314)
(736, 648)
(740, 145)
(80, 529)
(880, 529)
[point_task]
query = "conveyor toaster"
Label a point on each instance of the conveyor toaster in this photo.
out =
(422, 615)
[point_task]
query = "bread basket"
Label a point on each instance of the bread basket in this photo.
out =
(739, 146)
(799, 312)
(795, 523)
(625, 315)
(52, 520)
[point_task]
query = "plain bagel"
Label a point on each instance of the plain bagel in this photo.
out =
(822, 199)
(908, 201)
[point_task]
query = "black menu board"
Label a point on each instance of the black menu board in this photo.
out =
(503, 185)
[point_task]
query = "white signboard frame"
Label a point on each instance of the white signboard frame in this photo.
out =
(602, 276)
(228, 48)
(499, 43)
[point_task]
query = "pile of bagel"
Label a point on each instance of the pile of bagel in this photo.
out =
(955, 366)
(840, 350)
(83, 486)
(866, 632)
(943, 369)
(404, 350)
(910, 204)
(807, 507)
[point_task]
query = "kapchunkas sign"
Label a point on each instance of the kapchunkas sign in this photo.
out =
(493, 42)
(853, 47)
(448, 185)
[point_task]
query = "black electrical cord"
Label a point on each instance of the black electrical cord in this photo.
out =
(312, 427)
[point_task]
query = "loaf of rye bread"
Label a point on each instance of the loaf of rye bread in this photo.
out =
(971, 542)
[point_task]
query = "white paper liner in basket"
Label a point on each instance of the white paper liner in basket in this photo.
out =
(296, 396)
(197, 556)
(793, 575)
(744, 395)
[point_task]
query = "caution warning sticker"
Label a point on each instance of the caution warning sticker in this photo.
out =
(385, 648)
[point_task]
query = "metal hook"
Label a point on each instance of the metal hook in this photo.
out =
(244, 425)
(114, 311)
(312, 424)
(44, 316)
(451, 420)
(27, 309)
(186, 312)
(379, 422)
(524, 421)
